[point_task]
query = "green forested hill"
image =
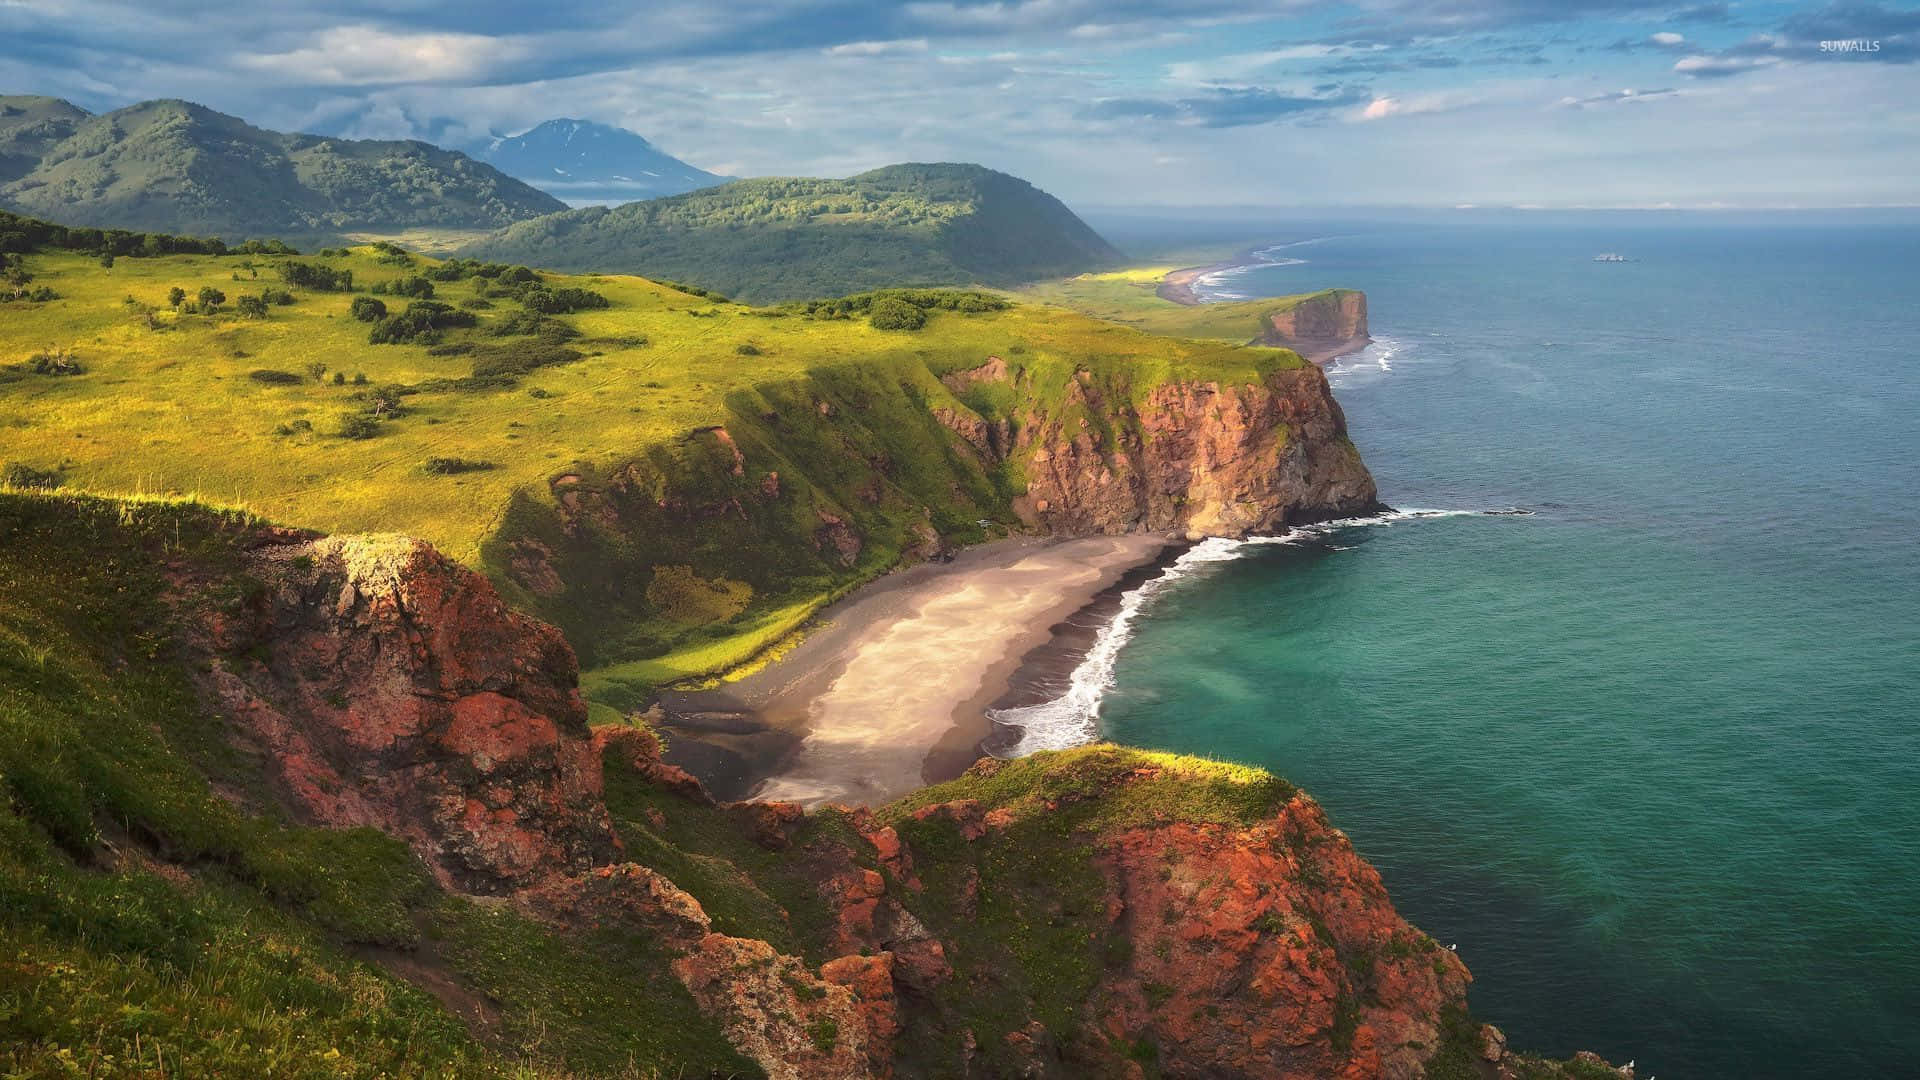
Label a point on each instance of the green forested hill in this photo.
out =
(784, 238)
(172, 166)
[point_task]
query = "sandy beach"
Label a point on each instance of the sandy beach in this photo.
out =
(890, 691)
(1178, 285)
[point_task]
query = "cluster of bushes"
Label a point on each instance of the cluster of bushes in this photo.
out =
(23, 234)
(520, 358)
(39, 294)
(54, 363)
(413, 285)
(317, 277)
(562, 301)
(887, 313)
(367, 309)
(20, 475)
(208, 300)
(392, 254)
(270, 377)
(532, 322)
(450, 466)
(421, 323)
(848, 307)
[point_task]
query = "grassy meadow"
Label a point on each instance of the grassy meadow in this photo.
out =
(253, 412)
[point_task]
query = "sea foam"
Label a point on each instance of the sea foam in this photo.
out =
(1073, 718)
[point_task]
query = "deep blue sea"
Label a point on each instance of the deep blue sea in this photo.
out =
(1651, 755)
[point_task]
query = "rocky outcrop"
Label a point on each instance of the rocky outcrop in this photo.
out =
(1319, 327)
(1198, 458)
(385, 685)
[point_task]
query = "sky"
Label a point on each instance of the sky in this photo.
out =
(1429, 103)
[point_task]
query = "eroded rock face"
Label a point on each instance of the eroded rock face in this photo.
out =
(1320, 327)
(1271, 951)
(386, 685)
(1201, 458)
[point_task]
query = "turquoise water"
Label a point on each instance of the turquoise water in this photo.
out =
(1650, 756)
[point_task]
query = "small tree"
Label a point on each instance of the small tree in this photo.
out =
(317, 370)
(253, 307)
(367, 309)
(211, 299)
(176, 296)
(106, 260)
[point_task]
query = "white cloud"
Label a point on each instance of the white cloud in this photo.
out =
(1667, 38)
(366, 55)
(878, 48)
(1709, 67)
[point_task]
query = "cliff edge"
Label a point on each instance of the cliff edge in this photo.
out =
(1319, 326)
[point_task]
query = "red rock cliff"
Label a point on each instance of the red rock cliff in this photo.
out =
(1202, 458)
(1321, 326)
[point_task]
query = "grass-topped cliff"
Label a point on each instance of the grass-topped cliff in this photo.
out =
(174, 166)
(789, 238)
(1133, 297)
(674, 479)
(220, 856)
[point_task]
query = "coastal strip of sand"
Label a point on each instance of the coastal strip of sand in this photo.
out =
(890, 691)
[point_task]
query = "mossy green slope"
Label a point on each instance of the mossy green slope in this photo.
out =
(790, 238)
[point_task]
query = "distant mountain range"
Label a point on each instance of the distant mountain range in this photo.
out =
(785, 238)
(174, 166)
(582, 161)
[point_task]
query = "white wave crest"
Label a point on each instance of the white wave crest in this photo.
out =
(1073, 718)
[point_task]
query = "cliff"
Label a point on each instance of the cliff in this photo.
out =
(325, 806)
(815, 484)
(1319, 326)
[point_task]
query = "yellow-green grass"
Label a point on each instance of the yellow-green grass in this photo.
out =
(1131, 296)
(170, 407)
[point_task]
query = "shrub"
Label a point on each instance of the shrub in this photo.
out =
(367, 309)
(357, 426)
(562, 301)
(449, 466)
(421, 322)
(252, 307)
(520, 358)
(176, 296)
(278, 297)
(270, 377)
(317, 277)
(339, 378)
(474, 303)
(413, 286)
(55, 363)
(747, 350)
(20, 475)
(211, 299)
(888, 313)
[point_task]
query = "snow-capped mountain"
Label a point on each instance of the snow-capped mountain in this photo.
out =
(581, 161)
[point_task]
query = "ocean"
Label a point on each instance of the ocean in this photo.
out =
(1649, 753)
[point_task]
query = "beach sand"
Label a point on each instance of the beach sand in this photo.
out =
(1178, 285)
(890, 692)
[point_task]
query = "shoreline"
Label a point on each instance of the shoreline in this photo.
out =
(891, 689)
(1177, 285)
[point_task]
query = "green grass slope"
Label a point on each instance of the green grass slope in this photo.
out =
(792, 238)
(178, 167)
(292, 412)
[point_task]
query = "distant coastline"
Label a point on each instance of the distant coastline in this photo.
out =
(1177, 286)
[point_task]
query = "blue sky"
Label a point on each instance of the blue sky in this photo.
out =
(1552, 103)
